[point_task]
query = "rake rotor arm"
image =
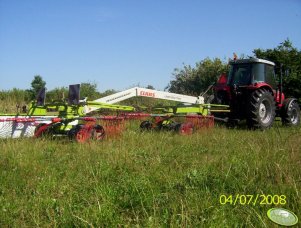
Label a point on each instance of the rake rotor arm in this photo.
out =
(93, 105)
(142, 92)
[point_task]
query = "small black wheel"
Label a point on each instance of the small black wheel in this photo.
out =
(185, 128)
(146, 125)
(167, 125)
(261, 110)
(172, 126)
(42, 130)
(98, 133)
(73, 131)
(290, 112)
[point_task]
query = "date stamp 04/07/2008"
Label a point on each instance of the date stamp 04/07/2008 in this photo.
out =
(252, 199)
(280, 216)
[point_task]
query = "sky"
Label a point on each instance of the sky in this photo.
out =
(125, 43)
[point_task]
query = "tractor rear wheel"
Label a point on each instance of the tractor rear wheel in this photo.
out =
(261, 111)
(290, 113)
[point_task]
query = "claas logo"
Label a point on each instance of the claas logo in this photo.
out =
(147, 94)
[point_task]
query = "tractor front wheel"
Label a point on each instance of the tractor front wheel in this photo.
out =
(261, 113)
(290, 113)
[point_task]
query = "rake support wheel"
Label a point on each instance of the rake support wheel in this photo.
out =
(83, 135)
(146, 125)
(98, 133)
(185, 128)
(42, 130)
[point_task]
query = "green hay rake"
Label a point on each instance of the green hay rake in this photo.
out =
(72, 117)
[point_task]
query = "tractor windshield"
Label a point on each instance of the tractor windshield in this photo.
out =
(240, 74)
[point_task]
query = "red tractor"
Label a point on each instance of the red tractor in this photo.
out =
(254, 95)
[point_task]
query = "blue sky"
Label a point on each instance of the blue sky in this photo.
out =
(119, 44)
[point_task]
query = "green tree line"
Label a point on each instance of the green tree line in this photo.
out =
(20, 95)
(13, 100)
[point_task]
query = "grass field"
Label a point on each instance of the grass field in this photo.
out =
(151, 179)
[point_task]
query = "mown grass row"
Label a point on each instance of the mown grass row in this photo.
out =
(149, 179)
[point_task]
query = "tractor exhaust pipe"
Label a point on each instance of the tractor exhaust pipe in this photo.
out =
(280, 86)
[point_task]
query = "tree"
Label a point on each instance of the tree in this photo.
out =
(89, 90)
(59, 93)
(108, 92)
(193, 81)
(150, 87)
(36, 84)
(289, 57)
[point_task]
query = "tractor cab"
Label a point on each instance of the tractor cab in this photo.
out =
(251, 72)
(245, 76)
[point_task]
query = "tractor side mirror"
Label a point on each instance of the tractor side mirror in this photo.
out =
(73, 96)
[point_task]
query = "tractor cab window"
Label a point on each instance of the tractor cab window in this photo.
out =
(270, 76)
(258, 72)
(240, 74)
(264, 73)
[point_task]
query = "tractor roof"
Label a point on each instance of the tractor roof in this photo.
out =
(251, 60)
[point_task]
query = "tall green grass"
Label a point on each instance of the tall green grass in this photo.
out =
(149, 179)
(10, 99)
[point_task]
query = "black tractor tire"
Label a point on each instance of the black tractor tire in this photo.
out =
(290, 112)
(261, 111)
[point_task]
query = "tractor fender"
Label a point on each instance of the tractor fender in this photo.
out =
(264, 86)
